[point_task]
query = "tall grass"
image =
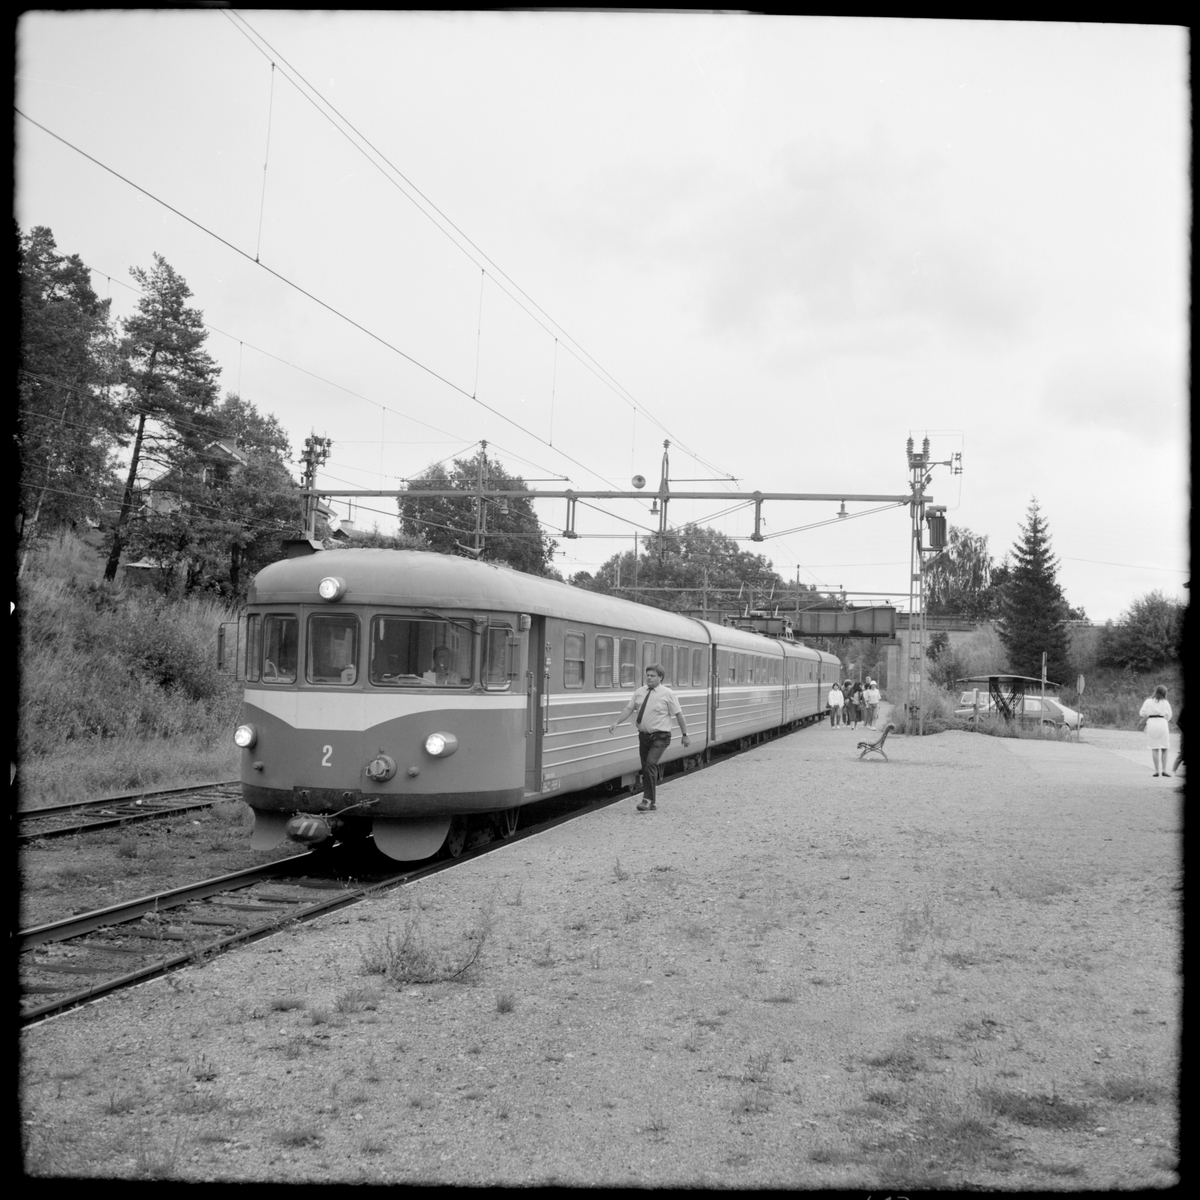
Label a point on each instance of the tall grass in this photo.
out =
(118, 688)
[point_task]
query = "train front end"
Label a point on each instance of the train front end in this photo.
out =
(382, 698)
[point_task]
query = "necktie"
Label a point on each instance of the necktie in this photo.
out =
(642, 710)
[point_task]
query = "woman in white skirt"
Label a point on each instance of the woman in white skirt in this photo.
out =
(1156, 712)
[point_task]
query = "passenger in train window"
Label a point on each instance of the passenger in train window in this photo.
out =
(655, 704)
(443, 668)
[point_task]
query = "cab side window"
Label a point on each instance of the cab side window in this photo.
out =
(281, 648)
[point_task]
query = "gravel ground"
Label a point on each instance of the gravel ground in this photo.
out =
(957, 968)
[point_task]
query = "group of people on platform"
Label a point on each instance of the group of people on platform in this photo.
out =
(852, 702)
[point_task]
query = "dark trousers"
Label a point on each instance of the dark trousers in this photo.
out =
(651, 747)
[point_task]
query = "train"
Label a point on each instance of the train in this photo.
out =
(423, 699)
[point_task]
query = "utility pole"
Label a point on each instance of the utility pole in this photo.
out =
(663, 489)
(316, 451)
(920, 475)
(480, 519)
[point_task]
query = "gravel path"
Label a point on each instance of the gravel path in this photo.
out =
(959, 967)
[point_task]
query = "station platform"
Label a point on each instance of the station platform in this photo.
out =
(709, 995)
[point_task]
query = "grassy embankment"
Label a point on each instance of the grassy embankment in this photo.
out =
(119, 689)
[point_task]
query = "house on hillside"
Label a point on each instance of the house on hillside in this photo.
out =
(163, 496)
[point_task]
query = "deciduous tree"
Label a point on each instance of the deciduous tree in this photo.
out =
(233, 500)
(446, 524)
(699, 567)
(959, 581)
(1147, 636)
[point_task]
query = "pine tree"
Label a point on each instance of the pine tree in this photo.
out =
(1033, 610)
(170, 381)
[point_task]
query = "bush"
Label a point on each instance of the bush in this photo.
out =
(98, 662)
(1148, 635)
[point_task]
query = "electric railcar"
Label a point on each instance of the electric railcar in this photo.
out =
(416, 697)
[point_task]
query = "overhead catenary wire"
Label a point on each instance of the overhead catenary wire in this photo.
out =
(314, 298)
(411, 192)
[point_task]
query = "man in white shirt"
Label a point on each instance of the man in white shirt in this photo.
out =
(655, 705)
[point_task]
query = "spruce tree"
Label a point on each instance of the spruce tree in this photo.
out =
(1033, 610)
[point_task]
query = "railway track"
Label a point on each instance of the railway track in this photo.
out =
(84, 957)
(87, 956)
(88, 816)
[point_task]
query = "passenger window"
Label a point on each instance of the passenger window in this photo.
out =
(281, 643)
(408, 653)
(649, 654)
(573, 656)
(629, 662)
(667, 662)
(698, 679)
(603, 663)
(733, 668)
(332, 649)
(681, 666)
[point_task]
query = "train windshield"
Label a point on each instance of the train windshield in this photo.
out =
(332, 649)
(280, 642)
(412, 653)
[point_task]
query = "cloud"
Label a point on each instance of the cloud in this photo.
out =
(1127, 389)
(849, 248)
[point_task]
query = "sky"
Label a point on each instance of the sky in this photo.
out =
(784, 244)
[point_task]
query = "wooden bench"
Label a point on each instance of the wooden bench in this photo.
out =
(877, 746)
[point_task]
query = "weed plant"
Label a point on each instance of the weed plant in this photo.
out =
(409, 956)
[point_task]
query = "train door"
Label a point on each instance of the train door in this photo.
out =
(714, 693)
(537, 688)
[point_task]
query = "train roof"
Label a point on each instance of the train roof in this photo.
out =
(418, 577)
(423, 579)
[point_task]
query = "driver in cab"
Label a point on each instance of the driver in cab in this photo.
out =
(443, 672)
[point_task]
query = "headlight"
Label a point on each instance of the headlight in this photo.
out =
(441, 745)
(245, 736)
(331, 588)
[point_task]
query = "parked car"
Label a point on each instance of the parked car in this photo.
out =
(1055, 713)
